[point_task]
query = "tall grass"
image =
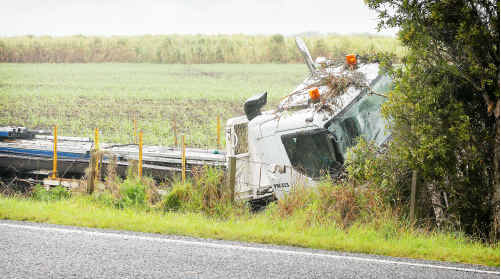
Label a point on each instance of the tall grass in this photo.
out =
(187, 49)
(330, 217)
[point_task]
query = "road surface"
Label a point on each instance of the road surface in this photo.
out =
(29, 250)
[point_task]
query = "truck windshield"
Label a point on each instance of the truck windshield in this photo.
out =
(362, 119)
(311, 152)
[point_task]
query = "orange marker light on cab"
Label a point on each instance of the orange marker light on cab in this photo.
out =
(351, 59)
(314, 94)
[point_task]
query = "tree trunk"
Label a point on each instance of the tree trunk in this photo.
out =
(436, 202)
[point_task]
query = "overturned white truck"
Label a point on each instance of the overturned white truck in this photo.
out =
(308, 134)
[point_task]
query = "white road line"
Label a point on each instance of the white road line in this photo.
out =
(237, 247)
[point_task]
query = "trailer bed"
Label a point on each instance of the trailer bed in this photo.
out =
(74, 155)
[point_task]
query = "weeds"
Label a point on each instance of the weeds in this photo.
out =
(39, 193)
(177, 198)
(329, 203)
(206, 193)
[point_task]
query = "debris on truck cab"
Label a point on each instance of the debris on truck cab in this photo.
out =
(308, 135)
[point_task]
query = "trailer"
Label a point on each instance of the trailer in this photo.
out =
(28, 155)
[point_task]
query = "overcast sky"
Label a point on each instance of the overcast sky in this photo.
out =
(113, 17)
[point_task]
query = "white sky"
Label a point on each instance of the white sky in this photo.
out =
(113, 17)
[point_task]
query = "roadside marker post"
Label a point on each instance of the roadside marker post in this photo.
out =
(96, 153)
(413, 196)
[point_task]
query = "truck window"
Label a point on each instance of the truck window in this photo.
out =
(362, 119)
(312, 152)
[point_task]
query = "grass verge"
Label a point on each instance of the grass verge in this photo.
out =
(264, 227)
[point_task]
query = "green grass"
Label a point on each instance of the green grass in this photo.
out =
(80, 97)
(264, 227)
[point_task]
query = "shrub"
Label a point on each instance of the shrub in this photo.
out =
(132, 193)
(57, 193)
(210, 193)
(207, 193)
(342, 203)
(295, 200)
(380, 168)
(346, 203)
(176, 198)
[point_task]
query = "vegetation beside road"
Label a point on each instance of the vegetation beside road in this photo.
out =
(331, 217)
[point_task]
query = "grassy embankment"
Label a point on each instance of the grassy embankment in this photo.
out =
(332, 218)
(261, 228)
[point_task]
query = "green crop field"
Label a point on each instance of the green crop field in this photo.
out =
(81, 97)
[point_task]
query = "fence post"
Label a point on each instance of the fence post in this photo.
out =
(92, 172)
(183, 159)
(218, 131)
(413, 195)
(232, 170)
(54, 156)
(140, 163)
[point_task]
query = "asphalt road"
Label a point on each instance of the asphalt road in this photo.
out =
(29, 250)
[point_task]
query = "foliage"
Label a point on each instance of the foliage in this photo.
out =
(389, 238)
(132, 194)
(342, 204)
(39, 193)
(379, 167)
(206, 192)
(185, 49)
(442, 110)
(178, 196)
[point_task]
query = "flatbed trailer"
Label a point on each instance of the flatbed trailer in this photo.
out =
(74, 154)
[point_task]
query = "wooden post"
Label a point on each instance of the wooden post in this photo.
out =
(140, 163)
(135, 130)
(218, 132)
(54, 156)
(175, 132)
(232, 171)
(92, 172)
(183, 159)
(413, 195)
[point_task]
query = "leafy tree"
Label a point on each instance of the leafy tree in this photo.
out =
(445, 107)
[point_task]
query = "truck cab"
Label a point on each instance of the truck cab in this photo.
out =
(309, 133)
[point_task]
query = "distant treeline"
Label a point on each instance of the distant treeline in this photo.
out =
(186, 49)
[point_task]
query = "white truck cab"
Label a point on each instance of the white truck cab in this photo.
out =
(308, 134)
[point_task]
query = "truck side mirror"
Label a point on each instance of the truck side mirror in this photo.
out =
(253, 105)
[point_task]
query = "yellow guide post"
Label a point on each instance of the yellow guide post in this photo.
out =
(218, 132)
(183, 159)
(96, 148)
(54, 156)
(140, 163)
